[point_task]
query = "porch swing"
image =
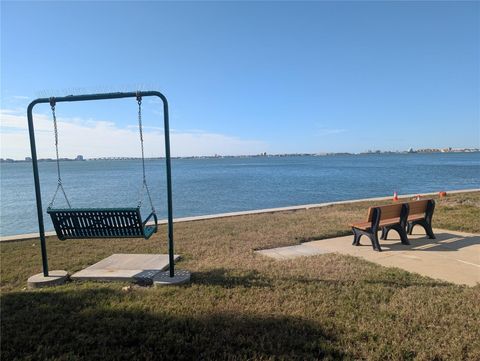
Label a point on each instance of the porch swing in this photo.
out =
(72, 223)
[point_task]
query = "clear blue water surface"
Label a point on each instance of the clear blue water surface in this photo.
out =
(216, 185)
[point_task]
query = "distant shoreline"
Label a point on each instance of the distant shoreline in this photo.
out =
(262, 155)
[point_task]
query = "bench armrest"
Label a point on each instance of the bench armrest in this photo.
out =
(153, 214)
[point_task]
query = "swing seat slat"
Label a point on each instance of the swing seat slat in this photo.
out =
(74, 223)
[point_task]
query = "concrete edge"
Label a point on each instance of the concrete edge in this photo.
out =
(55, 278)
(28, 236)
(164, 279)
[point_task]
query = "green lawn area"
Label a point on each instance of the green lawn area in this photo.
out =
(240, 305)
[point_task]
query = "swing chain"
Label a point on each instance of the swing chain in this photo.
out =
(144, 183)
(59, 180)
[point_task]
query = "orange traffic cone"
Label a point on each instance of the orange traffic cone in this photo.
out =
(395, 196)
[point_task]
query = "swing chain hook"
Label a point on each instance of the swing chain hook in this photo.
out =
(53, 102)
(140, 128)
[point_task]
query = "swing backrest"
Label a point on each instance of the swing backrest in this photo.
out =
(100, 223)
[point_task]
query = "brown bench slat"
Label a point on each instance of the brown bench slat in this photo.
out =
(383, 222)
(418, 207)
(388, 212)
(414, 217)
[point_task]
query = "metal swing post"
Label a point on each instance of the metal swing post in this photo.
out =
(38, 195)
(171, 260)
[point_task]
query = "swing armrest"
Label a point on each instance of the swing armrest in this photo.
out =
(148, 218)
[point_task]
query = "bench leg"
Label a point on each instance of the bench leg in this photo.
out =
(429, 230)
(401, 231)
(409, 228)
(403, 234)
(425, 225)
(373, 237)
(375, 244)
(385, 231)
(356, 237)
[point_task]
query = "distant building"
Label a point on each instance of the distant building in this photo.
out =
(79, 157)
(410, 150)
(28, 159)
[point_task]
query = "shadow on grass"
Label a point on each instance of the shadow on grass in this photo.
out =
(221, 277)
(103, 324)
(381, 281)
(320, 237)
(385, 278)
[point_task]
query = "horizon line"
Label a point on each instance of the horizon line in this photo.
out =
(263, 154)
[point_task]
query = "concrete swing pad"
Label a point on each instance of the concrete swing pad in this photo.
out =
(125, 267)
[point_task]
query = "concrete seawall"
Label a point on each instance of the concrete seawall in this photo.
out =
(27, 236)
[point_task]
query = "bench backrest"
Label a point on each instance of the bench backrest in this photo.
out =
(418, 207)
(390, 211)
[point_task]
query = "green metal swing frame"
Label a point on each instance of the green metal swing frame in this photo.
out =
(101, 222)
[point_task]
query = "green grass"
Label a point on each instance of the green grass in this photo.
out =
(240, 305)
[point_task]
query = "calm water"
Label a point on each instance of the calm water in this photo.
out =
(208, 186)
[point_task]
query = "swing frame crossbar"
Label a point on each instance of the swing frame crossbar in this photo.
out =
(36, 177)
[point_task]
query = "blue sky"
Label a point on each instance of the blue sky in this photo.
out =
(243, 78)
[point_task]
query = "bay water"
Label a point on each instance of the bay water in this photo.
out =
(204, 186)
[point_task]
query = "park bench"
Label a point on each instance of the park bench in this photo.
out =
(420, 213)
(389, 217)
